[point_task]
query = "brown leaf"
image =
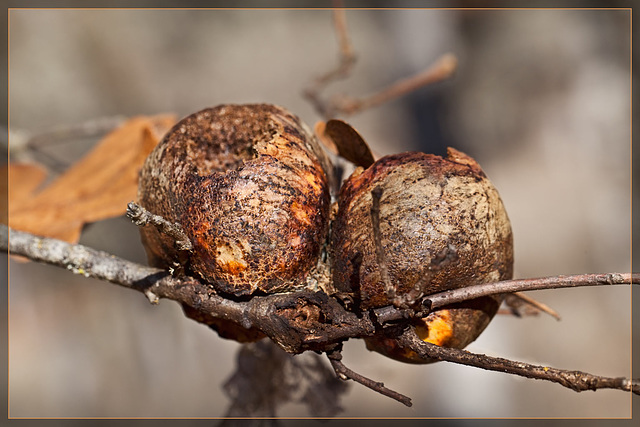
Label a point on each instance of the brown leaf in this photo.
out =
(97, 187)
(25, 179)
(341, 136)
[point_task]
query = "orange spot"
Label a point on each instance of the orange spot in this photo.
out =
(230, 258)
(300, 212)
(312, 180)
(436, 328)
(234, 267)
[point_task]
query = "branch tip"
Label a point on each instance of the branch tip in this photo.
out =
(345, 373)
(142, 217)
(153, 298)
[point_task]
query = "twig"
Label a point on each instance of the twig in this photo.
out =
(508, 286)
(81, 130)
(537, 305)
(346, 61)
(441, 70)
(36, 142)
(376, 195)
(345, 373)
(575, 380)
(141, 217)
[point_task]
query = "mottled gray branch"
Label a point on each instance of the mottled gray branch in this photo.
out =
(278, 315)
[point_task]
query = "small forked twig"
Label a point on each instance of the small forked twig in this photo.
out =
(441, 70)
(335, 357)
(141, 217)
(390, 290)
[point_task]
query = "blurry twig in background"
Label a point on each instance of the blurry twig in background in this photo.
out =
(22, 144)
(346, 105)
(346, 61)
(266, 377)
(521, 304)
(441, 70)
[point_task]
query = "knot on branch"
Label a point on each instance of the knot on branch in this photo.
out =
(309, 321)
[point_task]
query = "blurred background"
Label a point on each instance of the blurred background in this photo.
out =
(541, 99)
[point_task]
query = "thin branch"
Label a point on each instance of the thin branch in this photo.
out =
(441, 70)
(376, 195)
(508, 286)
(141, 217)
(85, 129)
(346, 61)
(534, 305)
(24, 142)
(345, 373)
(575, 380)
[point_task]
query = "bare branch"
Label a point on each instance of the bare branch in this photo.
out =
(345, 373)
(376, 195)
(278, 316)
(508, 286)
(575, 380)
(441, 70)
(141, 217)
(346, 61)
(85, 129)
(517, 299)
(285, 318)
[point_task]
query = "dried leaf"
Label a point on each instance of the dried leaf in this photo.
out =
(25, 179)
(97, 187)
(347, 141)
(328, 143)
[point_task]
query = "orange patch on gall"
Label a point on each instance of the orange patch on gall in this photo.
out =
(300, 212)
(436, 329)
(313, 182)
(233, 267)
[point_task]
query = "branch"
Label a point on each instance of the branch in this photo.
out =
(335, 357)
(141, 217)
(518, 299)
(509, 286)
(441, 70)
(279, 316)
(575, 380)
(346, 61)
(306, 320)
